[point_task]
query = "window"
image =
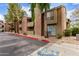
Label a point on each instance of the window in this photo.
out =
(50, 15)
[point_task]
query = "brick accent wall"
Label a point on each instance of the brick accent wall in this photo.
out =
(61, 19)
(38, 26)
(24, 25)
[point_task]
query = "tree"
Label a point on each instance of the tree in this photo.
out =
(75, 13)
(42, 6)
(75, 16)
(15, 14)
(9, 20)
(32, 10)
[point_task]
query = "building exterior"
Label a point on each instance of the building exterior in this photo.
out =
(27, 25)
(51, 23)
(1, 26)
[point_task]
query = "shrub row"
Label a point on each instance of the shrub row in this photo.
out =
(71, 32)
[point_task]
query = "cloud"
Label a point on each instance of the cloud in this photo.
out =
(52, 5)
(69, 13)
(75, 4)
(27, 9)
(1, 17)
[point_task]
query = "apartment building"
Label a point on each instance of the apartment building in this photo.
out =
(27, 25)
(51, 22)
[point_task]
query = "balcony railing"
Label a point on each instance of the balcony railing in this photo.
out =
(30, 24)
(30, 32)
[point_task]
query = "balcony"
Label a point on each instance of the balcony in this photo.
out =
(30, 24)
(51, 20)
(30, 32)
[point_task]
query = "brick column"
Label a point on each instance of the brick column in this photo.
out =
(37, 27)
(61, 19)
(63, 16)
(24, 25)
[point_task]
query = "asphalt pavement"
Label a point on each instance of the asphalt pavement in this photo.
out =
(12, 45)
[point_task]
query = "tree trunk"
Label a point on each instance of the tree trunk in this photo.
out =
(17, 26)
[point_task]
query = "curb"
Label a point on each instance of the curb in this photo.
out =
(33, 38)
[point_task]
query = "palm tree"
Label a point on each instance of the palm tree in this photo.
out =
(33, 5)
(42, 6)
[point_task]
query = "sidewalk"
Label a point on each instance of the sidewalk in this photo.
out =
(63, 49)
(70, 40)
(66, 46)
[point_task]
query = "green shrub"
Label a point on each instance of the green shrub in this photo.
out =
(67, 32)
(75, 31)
(59, 36)
(2, 30)
(25, 33)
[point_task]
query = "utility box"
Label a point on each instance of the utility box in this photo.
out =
(77, 37)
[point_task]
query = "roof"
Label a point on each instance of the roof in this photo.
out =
(27, 17)
(54, 8)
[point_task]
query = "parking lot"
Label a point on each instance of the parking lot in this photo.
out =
(11, 45)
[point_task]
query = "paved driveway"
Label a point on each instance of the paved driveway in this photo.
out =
(11, 45)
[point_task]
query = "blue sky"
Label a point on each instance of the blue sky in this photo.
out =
(4, 6)
(69, 6)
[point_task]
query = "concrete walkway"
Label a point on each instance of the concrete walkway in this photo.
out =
(58, 49)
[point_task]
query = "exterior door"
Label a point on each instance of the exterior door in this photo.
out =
(51, 30)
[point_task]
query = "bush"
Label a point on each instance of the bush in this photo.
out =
(59, 36)
(67, 32)
(2, 30)
(75, 31)
(25, 33)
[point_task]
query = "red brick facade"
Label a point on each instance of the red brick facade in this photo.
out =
(37, 27)
(24, 25)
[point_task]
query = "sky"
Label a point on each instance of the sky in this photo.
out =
(70, 7)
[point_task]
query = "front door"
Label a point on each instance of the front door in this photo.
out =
(51, 30)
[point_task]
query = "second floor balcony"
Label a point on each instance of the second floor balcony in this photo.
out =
(30, 24)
